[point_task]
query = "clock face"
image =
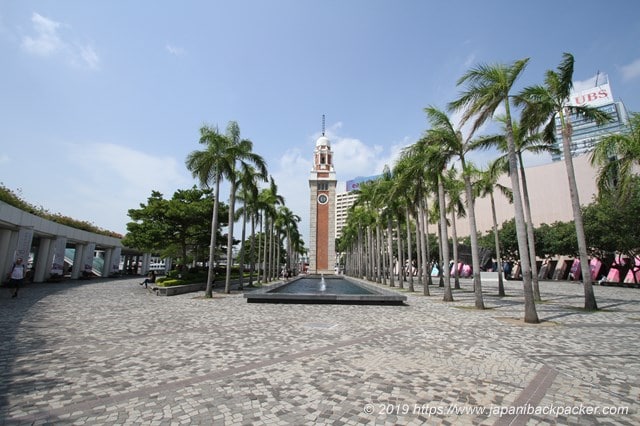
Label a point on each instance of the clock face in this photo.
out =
(322, 199)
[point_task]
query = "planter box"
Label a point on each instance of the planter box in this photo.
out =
(179, 289)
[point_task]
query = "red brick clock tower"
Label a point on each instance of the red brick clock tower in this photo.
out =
(322, 186)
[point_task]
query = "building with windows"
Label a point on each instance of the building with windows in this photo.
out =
(344, 201)
(595, 93)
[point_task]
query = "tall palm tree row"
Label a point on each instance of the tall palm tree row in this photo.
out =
(229, 157)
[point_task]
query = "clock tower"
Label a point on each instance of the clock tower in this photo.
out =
(322, 188)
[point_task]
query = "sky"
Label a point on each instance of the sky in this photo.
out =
(102, 101)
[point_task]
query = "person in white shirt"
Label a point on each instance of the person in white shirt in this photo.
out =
(17, 275)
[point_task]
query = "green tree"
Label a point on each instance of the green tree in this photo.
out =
(542, 106)
(612, 227)
(487, 88)
(171, 227)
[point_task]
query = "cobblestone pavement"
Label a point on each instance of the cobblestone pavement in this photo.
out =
(111, 352)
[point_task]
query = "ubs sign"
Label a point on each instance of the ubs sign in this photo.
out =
(596, 96)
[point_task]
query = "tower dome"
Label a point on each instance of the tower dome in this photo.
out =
(323, 141)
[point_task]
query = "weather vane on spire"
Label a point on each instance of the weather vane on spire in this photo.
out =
(322, 124)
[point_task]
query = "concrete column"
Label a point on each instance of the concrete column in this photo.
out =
(41, 267)
(78, 264)
(167, 264)
(106, 268)
(6, 258)
(146, 258)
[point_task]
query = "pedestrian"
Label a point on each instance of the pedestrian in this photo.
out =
(151, 278)
(17, 276)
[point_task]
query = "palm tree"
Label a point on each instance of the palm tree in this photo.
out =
(486, 185)
(451, 146)
(616, 155)
(454, 188)
(240, 155)
(488, 87)
(524, 142)
(210, 166)
(542, 106)
(248, 186)
(269, 200)
(410, 174)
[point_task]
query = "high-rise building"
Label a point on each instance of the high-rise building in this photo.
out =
(596, 93)
(322, 201)
(344, 200)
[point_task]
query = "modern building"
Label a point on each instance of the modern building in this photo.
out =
(322, 201)
(595, 93)
(344, 201)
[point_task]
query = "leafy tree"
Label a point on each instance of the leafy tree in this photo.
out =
(173, 227)
(612, 226)
(557, 239)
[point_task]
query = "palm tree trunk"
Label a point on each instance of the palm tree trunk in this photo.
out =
(400, 256)
(530, 313)
(409, 254)
(379, 254)
(212, 246)
(589, 297)
(473, 231)
(496, 237)
(456, 258)
(390, 251)
(530, 237)
(265, 249)
(426, 264)
(419, 275)
(425, 225)
(242, 244)
(252, 250)
(232, 202)
(444, 242)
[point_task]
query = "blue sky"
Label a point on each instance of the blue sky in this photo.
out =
(101, 101)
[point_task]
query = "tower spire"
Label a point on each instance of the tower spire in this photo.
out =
(322, 124)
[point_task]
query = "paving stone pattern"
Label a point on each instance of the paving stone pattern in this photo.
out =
(111, 352)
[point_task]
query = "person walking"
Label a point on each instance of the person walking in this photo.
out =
(17, 276)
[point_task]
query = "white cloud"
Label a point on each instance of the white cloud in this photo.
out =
(89, 56)
(48, 42)
(631, 71)
(174, 50)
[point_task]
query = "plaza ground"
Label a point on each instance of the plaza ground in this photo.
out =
(111, 352)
